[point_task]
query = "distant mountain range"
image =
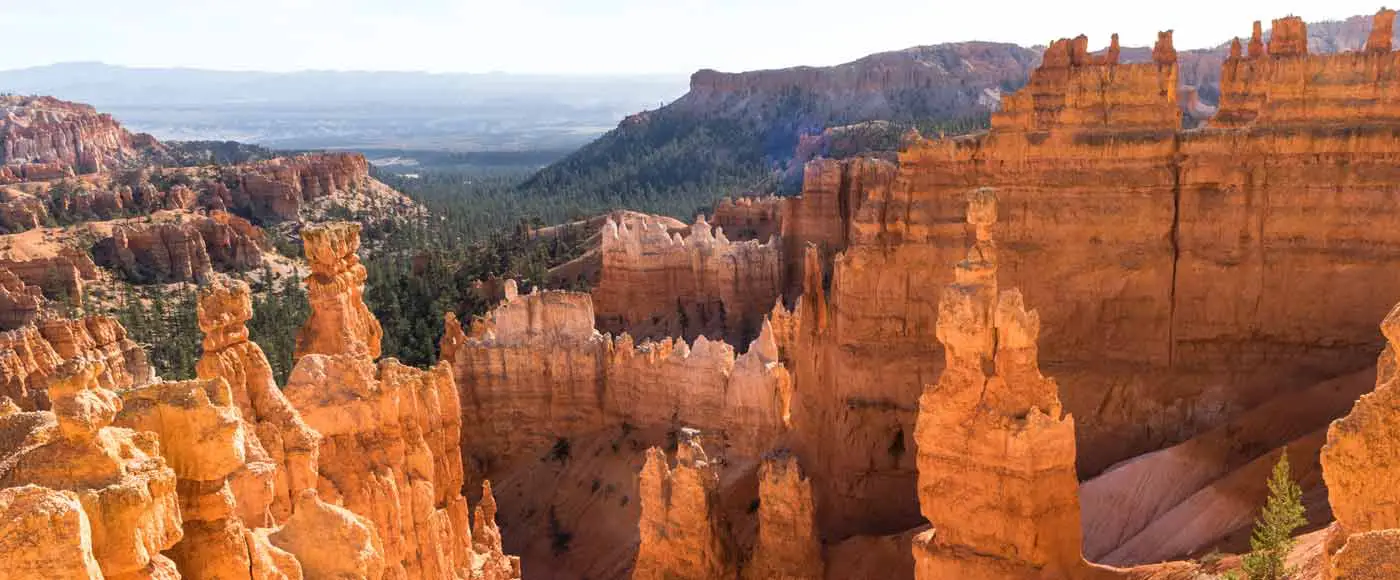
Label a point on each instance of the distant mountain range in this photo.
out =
(362, 110)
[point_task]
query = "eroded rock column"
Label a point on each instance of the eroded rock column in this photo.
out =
(681, 538)
(788, 547)
(995, 450)
(340, 322)
(225, 307)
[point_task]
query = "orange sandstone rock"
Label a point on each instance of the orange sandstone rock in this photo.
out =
(279, 189)
(339, 323)
(127, 491)
(1382, 32)
(788, 547)
(995, 451)
(329, 541)
(45, 534)
(390, 434)
(224, 308)
(203, 439)
(534, 370)
(655, 283)
(1359, 463)
(681, 537)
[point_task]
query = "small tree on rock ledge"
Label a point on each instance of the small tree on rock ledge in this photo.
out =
(1273, 531)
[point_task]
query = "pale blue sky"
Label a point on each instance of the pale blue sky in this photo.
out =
(598, 36)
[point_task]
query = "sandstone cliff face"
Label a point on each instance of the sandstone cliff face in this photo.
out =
(60, 276)
(656, 284)
(340, 322)
(31, 356)
(1158, 258)
(535, 370)
(187, 249)
(1359, 464)
(995, 451)
(70, 136)
(279, 189)
(127, 491)
(20, 303)
(681, 537)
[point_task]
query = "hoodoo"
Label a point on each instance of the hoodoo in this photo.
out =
(995, 449)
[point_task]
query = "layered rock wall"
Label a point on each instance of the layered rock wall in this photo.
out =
(185, 250)
(60, 276)
(20, 303)
(1166, 263)
(31, 355)
(68, 135)
(535, 370)
(655, 284)
(278, 189)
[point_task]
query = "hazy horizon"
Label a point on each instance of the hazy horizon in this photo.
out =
(598, 38)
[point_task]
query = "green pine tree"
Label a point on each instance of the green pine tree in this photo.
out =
(1273, 531)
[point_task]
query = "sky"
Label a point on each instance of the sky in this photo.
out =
(589, 36)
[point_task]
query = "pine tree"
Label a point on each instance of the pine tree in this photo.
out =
(1273, 531)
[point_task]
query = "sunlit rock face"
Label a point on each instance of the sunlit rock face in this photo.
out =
(655, 283)
(340, 322)
(534, 370)
(126, 489)
(681, 536)
(281, 188)
(1359, 463)
(390, 447)
(31, 355)
(224, 308)
(995, 449)
(46, 138)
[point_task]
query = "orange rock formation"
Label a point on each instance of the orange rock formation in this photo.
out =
(279, 189)
(185, 250)
(31, 355)
(222, 477)
(656, 284)
(340, 322)
(1359, 463)
(788, 546)
(995, 450)
(44, 137)
(390, 434)
(682, 538)
(127, 491)
(292, 446)
(539, 356)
